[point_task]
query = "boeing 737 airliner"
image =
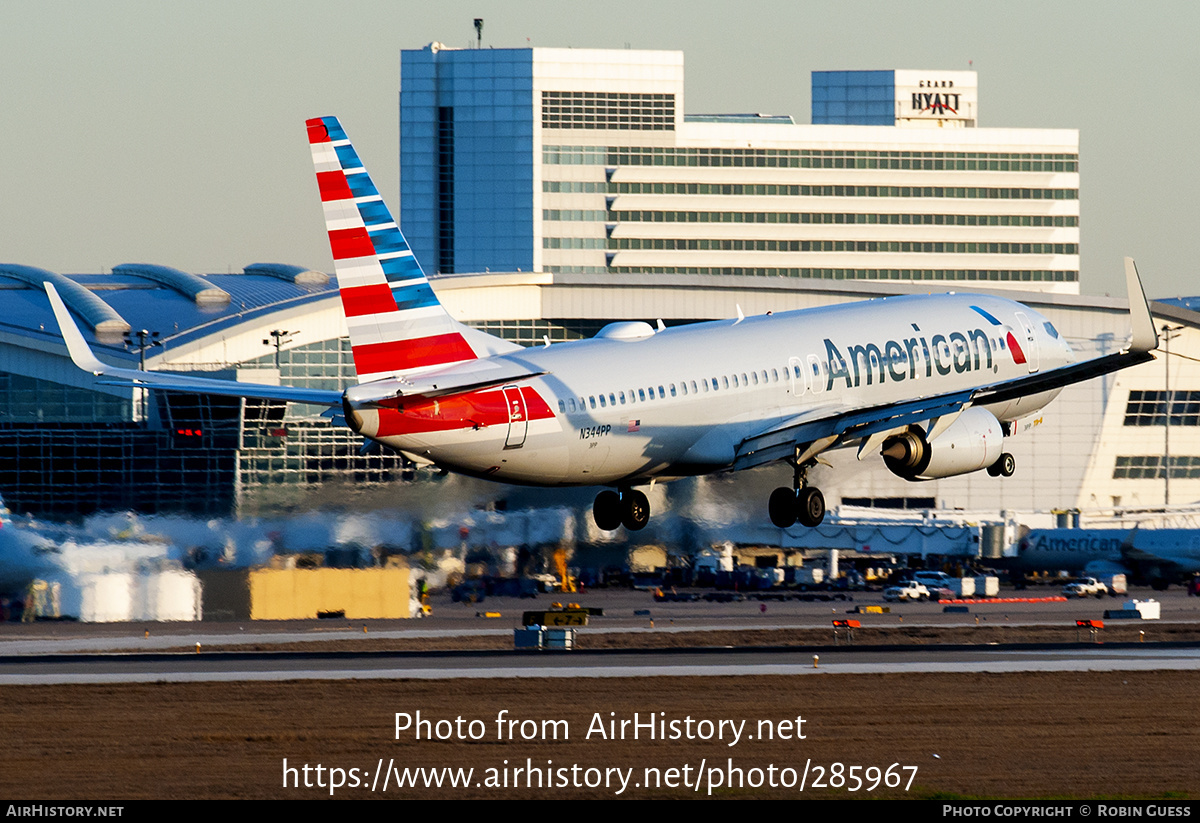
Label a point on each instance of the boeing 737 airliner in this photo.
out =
(933, 383)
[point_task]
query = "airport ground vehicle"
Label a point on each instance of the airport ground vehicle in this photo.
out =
(932, 580)
(906, 591)
(1085, 587)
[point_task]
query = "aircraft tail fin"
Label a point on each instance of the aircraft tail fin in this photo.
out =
(397, 325)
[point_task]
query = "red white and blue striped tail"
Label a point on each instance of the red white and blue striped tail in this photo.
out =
(397, 326)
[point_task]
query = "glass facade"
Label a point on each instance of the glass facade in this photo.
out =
(1152, 467)
(1149, 408)
(29, 400)
(779, 190)
(535, 332)
(855, 98)
(602, 110)
(808, 159)
(827, 218)
(467, 158)
(65, 451)
(980, 275)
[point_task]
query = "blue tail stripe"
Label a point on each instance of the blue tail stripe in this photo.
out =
(361, 185)
(399, 269)
(415, 297)
(348, 157)
(387, 240)
(334, 128)
(374, 212)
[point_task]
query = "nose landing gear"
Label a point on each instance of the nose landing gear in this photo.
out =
(626, 507)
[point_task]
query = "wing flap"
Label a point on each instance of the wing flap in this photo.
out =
(838, 424)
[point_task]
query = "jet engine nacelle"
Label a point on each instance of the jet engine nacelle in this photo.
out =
(974, 441)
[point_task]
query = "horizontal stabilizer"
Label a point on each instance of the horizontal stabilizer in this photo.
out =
(469, 376)
(84, 358)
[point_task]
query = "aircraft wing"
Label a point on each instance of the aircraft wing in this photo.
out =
(821, 428)
(1170, 555)
(1145, 341)
(83, 357)
(825, 427)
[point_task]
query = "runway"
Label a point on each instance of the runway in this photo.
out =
(54, 653)
(235, 666)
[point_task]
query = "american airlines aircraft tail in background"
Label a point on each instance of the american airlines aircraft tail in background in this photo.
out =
(932, 383)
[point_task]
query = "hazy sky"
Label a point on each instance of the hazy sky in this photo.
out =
(173, 132)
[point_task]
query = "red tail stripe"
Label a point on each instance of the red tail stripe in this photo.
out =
(370, 299)
(317, 133)
(349, 243)
(333, 186)
(398, 355)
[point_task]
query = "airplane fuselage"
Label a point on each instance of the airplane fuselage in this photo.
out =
(1146, 553)
(633, 404)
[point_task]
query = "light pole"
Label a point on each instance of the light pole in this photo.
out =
(278, 340)
(1168, 332)
(141, 340)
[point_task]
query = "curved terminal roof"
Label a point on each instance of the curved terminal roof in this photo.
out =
(293, 274)
(94, 311)
(197, 288)
(112, 304)
(1190, 303)
(261, 297)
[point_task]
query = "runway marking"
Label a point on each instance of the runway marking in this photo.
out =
(1136, 660)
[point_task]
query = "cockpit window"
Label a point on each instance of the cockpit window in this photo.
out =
(1050, 330)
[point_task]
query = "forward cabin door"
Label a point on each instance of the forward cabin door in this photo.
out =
(518, 418)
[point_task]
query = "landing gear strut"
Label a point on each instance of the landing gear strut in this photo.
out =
(627, 507)
(802, 502)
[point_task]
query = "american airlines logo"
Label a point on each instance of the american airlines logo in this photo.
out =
(906, 359)
(1045, 543)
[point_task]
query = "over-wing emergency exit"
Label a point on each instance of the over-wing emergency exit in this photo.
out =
(932, 383)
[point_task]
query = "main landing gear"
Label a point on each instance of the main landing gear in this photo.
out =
(1004, 467)
(625, 507)
(802, 502)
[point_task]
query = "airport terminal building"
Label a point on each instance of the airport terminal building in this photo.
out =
(558, 190)
(73, 445)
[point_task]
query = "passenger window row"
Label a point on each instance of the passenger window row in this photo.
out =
(684, 388)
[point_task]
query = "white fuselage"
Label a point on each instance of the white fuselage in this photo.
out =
(680, 401)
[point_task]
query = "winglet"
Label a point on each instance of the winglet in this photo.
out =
(81, 353)
(1145, 337)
